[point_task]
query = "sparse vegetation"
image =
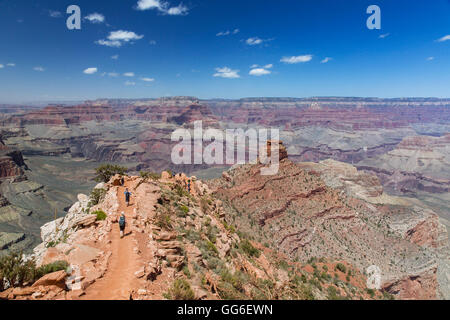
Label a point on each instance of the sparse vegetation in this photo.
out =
(180, 290)
(97, 195)
(101, 216)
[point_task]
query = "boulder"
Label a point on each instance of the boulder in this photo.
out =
(52, 279)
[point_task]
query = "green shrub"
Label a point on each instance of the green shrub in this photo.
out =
(181, 290)
(105, 172)
(183, 211)
(186, 271)
(341, 268)
(51, 267)
(164, 221)
(249, 249)
(101, 216)
(211, 247)
(149, 175)
(16, 271)
(332, 293)
(97, 195)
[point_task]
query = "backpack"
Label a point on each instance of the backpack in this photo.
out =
(122, 222)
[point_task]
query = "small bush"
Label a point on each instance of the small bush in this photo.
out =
(163, 221)
(249, 249)
(97, 195)
(16, 271)
(211, 247)
(149, 175)
(51, 267)
(105, 172)
(181, 290)
(183, 211)
(101, 216)
(341, 268)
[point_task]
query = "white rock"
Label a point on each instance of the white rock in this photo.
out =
(101, 185)
(48, 230)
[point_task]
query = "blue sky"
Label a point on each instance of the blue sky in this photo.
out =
(223, 49)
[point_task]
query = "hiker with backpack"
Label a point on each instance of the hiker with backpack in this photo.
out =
(127, 197)
(122, 224)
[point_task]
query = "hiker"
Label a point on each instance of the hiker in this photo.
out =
(122, 224)
(127, 197)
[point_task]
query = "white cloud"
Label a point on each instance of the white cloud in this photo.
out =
(180, 10)
(297, 59)
(259, 72)
(1, 66)
(163, 7)
(444, 38)
(148, 79)
(430, 58)
(326, 60)
(130, 83)
(124, 36)
(118, 38)
(10, 64)
(115, 57)
(385, 35)
(128, 74)
(90, 70)
(54, 14)
(39, 69)
(113, 74)
(95, 18)
(226, 72)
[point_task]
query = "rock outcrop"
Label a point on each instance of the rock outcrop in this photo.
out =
(331, 209)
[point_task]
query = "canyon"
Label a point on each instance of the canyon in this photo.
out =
(374, 169)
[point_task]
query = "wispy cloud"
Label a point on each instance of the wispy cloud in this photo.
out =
(10, 64)
(1, 66)
(326, 60)
(130, 83)
(227, 33)
(430, 58)
(256, 41)
(118, 38)
(95, 18)
(297, 59)
(152, 42)
(39, 69)
(163, 7)
(115, 57)
(128, 74)
(113, 74)
(384, 35)
(147, 79)
(227, 73)
(90, 71)
(444, 38)
(54, 14)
